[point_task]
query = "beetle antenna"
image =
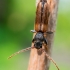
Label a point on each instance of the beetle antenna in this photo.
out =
(51, 60)
(23, 50)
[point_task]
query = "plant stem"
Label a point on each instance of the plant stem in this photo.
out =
(38, 60)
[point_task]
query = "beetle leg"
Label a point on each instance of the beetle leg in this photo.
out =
(45, 41)
(33, 31)
(33, 40)
(50, 32)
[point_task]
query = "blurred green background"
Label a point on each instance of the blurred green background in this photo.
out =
(16, 20)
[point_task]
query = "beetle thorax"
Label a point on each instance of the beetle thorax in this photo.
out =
(39, 36)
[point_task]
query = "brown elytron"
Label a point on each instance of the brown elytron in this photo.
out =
(42, 14)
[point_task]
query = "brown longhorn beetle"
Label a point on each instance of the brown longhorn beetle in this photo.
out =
(41, 27)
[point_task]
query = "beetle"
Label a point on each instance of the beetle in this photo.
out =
(41, 24)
